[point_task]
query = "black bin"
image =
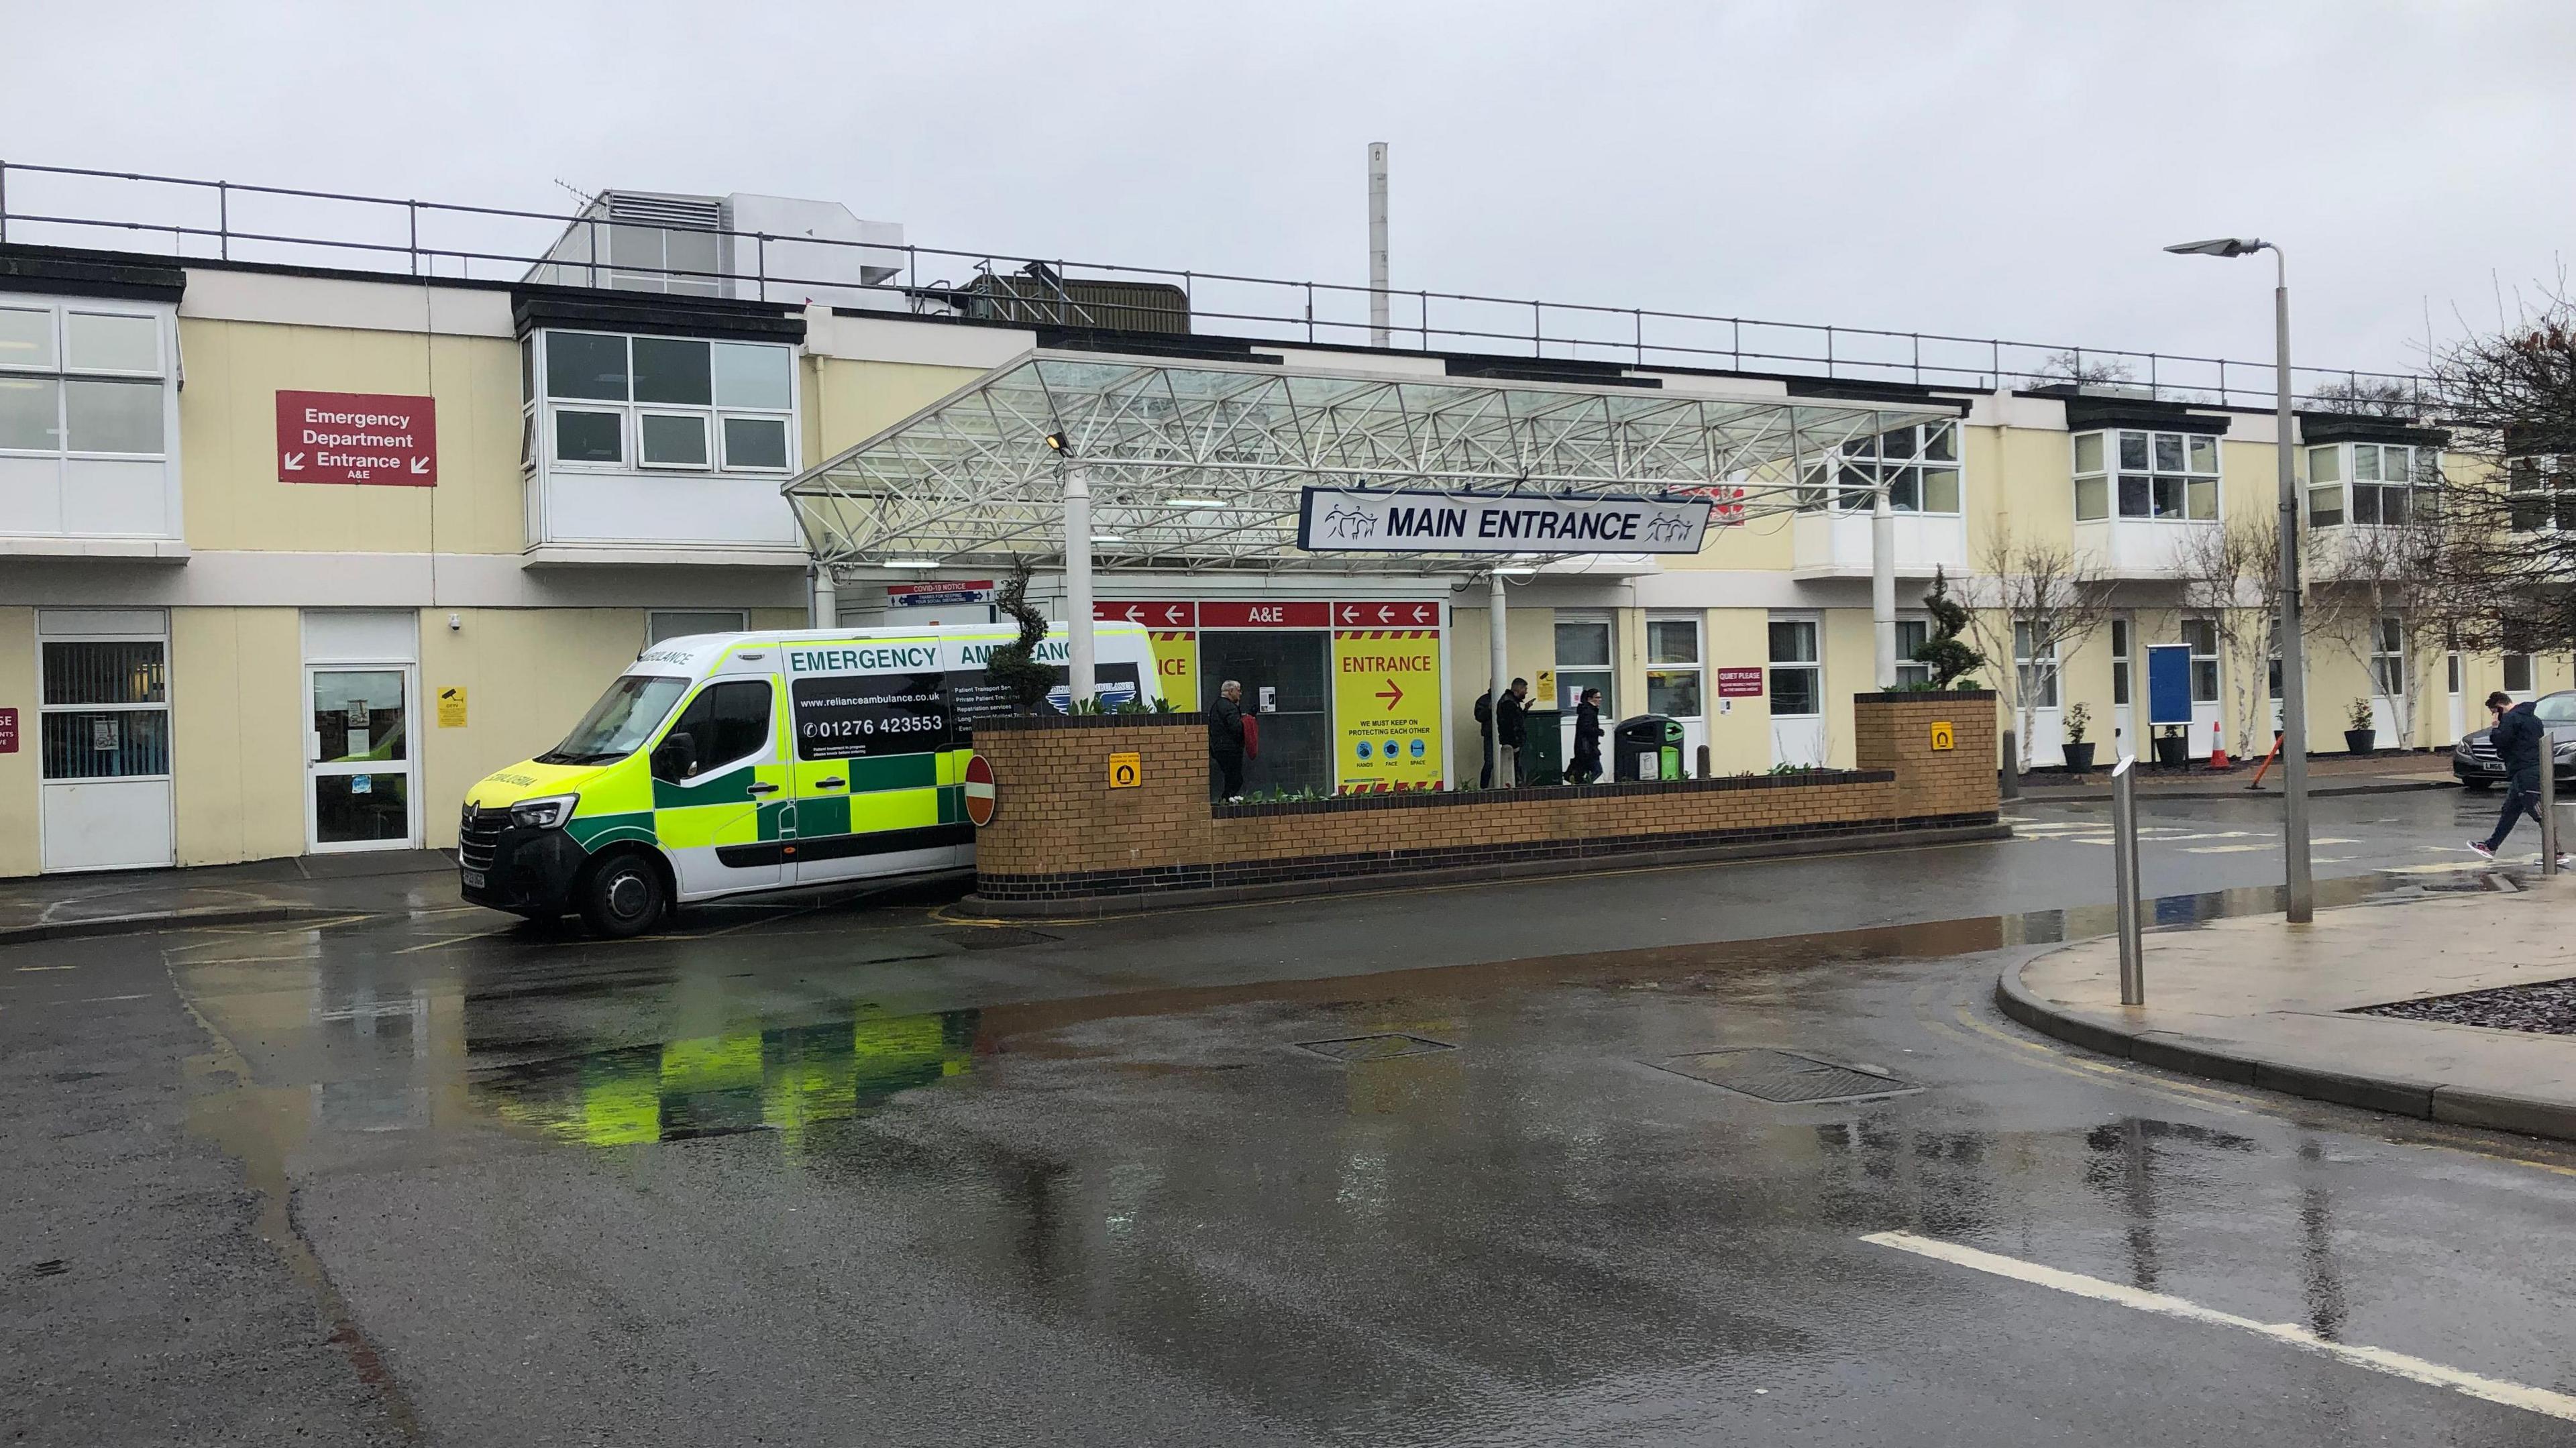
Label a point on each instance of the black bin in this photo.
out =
(1647, 746)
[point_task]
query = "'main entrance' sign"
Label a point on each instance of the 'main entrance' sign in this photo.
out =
(1334, 520)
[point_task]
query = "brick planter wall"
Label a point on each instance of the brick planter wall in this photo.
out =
(1063, 840)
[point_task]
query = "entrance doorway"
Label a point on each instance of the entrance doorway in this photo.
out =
(103, 729)
(361, 724)
(1797, 690)
(1287, 680)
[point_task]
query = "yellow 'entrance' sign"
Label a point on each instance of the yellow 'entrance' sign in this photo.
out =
(1176, 668)
(1386, 709)
(451, 706)
(1126, 770)
(1943, 736)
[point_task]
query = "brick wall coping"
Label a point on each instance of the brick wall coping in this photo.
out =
(1922, 696)
(1037, 723)
(1559, 794)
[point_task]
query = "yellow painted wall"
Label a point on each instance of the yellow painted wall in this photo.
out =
(529, 676)
(228, 440)
(237, 725)
(2020, 480)
(19, 772)
(1529, 645)
(846, 401)
(1851, 667)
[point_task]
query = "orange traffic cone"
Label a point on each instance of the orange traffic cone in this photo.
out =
(2218, 747)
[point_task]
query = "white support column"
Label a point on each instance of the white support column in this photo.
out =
(1079, 671)
(1499, 658)
(826, 602)
(1882, 584)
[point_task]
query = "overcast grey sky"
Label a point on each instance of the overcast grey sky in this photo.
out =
(1987, 169)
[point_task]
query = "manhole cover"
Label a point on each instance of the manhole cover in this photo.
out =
(1376, 1048)
(993, 937)
(1783, 1076)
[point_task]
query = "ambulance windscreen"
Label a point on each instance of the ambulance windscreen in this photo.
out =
(620, 722)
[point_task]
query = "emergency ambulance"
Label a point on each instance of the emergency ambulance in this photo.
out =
(727, 764)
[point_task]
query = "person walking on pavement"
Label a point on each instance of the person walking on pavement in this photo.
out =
(2522, 742)
(1225, 741)
(1587, 740)
(1501, 718)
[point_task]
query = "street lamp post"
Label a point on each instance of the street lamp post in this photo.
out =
(2294, 690)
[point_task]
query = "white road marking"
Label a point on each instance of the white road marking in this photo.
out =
(2222, 849)
(2493, 1390)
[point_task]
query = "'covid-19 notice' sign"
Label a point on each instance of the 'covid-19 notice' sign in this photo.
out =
(1335, 520)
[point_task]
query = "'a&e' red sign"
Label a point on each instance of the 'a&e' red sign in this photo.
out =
(357, 437)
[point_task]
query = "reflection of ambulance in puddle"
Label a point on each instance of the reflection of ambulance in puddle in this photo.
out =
(730, 763)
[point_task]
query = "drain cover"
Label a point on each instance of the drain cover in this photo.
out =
(1784, 1076)
(993, 937)
(1376, 1048)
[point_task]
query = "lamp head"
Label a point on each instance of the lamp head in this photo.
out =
(2218, 246)
(1055, 441)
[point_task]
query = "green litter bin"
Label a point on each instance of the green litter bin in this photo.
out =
(1542, 747)
(1649, 746)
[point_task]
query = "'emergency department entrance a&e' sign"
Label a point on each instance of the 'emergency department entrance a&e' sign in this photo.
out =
(367, 438)
(1336, 520)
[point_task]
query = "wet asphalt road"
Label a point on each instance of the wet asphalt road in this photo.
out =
(868, 1175)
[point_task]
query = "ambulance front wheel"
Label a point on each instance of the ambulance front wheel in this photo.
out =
(620, 896)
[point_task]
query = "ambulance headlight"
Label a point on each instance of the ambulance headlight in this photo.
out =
(543, 814)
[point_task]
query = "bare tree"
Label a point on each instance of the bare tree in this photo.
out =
(2046, 599)
(2228, 578)
(2382, 589)
(2358, 396)
(2073, 366)
(2509, 399)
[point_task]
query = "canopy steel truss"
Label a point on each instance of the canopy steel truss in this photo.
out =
(1199, 465)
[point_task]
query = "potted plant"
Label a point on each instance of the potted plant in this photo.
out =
(2362, 735)
(2173, 746)
(2079, 750)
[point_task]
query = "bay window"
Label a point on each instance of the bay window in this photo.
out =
(658, 404)
(2371, 484)
(1920, 466)
(81, 379)
(2162, 476)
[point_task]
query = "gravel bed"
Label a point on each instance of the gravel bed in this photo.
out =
(2546, 1006)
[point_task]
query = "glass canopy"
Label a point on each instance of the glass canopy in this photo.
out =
(1199, 465)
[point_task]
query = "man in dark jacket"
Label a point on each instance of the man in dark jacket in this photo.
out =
(2522, 742)
(1507, 709)
(1225, 740)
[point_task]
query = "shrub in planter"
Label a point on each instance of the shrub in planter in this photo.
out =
(2079, 751)
(2362, 737)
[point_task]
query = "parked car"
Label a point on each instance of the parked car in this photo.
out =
(2474, 762)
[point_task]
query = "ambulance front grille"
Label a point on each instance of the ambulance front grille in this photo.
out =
(478, 836)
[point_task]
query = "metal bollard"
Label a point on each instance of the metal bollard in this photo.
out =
(2010, 778)
(2124, 868)
(2548, 803)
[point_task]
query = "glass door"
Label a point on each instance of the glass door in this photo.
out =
(359, 792)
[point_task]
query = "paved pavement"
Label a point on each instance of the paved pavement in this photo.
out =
(2270, 1004)
(843, 1172)
(56, 907)
(2328, 776)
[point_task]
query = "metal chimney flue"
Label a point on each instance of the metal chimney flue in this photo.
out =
(1377, 244)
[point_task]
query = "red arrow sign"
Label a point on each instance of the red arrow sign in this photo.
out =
(1391, 694)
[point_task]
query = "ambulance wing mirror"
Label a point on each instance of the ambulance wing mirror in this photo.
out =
(676, 759)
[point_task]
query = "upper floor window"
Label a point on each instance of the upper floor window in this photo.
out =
(2165, 476)
(1920, 466)
(81, 379)
(2540, 493)
(616, 402)
(2378, 484)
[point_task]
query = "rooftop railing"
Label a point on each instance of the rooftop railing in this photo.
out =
(193, 218)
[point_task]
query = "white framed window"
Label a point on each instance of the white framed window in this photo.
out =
(2119, 661)
(613, 402)
(2371, 484)
(2167, 477)
(1919, 464)
(2517, 673)
(2388, 657)
(677, 623)
(1673, 667)
(103, 708)
(1583, 662)
(83, 378)
(1911, 635)
(1797, 672)
(2540, 494)
(2200, 635)
(2035, 664)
